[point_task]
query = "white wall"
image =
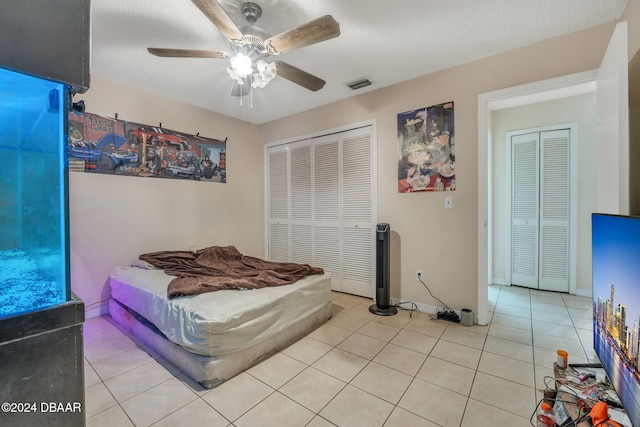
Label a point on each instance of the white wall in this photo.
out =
(579, 109)
(115, 218)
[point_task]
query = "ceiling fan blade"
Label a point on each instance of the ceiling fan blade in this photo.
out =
(188, 53)
(298, 76)
(316, 31)
(217, 15)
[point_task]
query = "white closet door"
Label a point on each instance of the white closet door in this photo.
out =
(554, 211)
(301, 203)
(357, 216)
(540, 202)
(278, 195)
(320, 195)
(524, 209)
(326, 202)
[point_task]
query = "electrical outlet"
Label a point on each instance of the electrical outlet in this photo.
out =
(419, 276)
(448, 202)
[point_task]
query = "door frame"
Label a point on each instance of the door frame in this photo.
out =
(573, 196)
(545, 90)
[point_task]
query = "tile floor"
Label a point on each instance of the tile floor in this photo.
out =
(358, 369)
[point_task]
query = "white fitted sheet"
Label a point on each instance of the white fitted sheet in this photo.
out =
(221, 322)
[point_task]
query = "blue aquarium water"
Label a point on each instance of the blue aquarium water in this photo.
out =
(33, 194)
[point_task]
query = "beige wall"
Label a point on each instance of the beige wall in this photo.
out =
(632, 15)
(580, 110)
(114, 218)
(442, 242)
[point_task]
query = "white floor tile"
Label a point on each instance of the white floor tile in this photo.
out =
(312, 388)
(509, 396)
(121, 362)
(97, 399)
(359, 369)
(341, 364)
(307, 350)
(434, 403)
(348, 321)
(448, 375)
(512, 321)
(277, 370)
(510, 349)
(513, 302)
(513, 311)
(464, 337)
(423, 325)
(276, 411)
(379, 330)
(479, 414)
(403, 418)
(196, 413)
(154, 404)
(357, 408)
(362, 345)
(507, 368)
(383, 382)
(400, 358)
(414, 341)
(137, 380)
(546, 328)
(457, 353)
(112, 417)
(237, 395)
(510, 333)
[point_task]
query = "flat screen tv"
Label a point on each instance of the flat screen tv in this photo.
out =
(616, 304)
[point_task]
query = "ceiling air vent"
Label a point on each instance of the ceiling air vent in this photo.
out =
(359, 83)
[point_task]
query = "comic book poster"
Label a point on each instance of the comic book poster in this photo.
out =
(426, 149)
(110, 146)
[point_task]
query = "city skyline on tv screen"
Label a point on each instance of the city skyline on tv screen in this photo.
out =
(616, 298)
(616, 256)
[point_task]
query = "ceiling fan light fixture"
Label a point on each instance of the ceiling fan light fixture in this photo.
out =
(241, 65)
(235, 76)
(251, 44)
(265, 73)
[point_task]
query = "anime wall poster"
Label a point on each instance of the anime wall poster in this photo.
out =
(103, 145)
(426, 149)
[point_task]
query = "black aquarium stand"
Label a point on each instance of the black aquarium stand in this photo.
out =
(42, 367)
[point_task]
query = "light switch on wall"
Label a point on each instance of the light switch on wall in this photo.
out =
(448, 202)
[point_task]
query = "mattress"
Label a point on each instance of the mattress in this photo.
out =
(221, 322)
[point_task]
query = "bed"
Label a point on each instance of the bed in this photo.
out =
(216, 334)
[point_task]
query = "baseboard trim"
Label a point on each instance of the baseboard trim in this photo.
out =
(584, 293)
(98, 311)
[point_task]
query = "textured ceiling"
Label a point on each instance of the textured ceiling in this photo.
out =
(386, 41)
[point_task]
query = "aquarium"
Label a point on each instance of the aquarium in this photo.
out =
(34, 266)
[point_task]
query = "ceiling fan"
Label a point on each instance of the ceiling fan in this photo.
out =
(250, 47)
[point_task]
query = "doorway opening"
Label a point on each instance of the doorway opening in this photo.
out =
(488, 103)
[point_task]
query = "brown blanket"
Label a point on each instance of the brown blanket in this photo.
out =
(216, 267)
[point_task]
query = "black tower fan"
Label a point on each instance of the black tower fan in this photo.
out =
(382, 306)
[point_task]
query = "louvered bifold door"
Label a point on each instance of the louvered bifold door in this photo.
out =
(357, 217)
(300, 202)
(554, 211)
(524, 210)
(278, 196)
(326, 207)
